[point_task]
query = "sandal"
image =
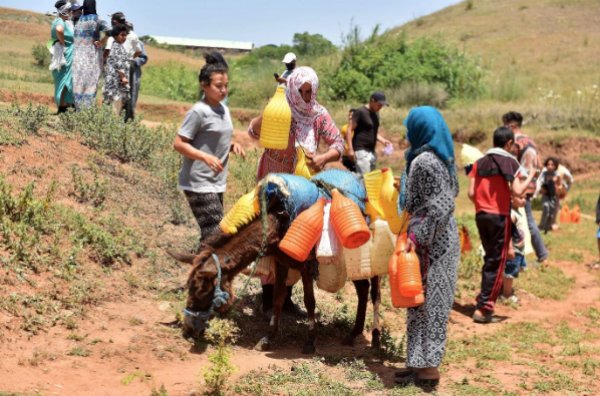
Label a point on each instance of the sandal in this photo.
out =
(413, 379)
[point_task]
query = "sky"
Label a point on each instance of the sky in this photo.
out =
(259, 21)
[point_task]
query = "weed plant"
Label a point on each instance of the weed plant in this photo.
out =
(220, 333)
(94, 191)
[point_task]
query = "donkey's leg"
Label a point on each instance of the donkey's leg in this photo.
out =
(362, 291)
(281, 273)
(376, 299)
(309, 303)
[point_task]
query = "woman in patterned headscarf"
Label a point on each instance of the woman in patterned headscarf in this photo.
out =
(310, 123)
(429, 188)
(62, 33)
(87, 62)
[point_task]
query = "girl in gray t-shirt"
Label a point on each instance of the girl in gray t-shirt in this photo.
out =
(204, 140)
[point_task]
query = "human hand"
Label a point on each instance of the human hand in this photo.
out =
(213, 163)
(97, 44)
(237, 149)
(316, 161)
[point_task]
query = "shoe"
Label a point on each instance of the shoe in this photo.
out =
(486, 318)
(511, 300)
(541, 260)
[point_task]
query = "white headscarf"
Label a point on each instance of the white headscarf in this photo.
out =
(304, 114)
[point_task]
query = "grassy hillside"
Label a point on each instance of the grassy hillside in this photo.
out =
(551, 44)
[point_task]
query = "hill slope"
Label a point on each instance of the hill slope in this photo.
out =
(545, 41)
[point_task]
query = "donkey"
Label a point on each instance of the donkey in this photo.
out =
(221, 257)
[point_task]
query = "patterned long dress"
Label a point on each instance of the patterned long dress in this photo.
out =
(63, 78)
(87, 62)
(118, 61)
(431, 191)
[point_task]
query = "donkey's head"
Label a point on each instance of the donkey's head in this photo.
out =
(210, 283)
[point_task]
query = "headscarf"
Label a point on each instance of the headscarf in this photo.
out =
(303, 114)
(62, 7)
(427, 131)
(89, 7)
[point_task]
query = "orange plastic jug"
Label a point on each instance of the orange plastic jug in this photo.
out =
(304, 232)
(404, 270)
(243, 212)
(565, 214)
(348, 222)
(576, 214)
(388, 200)
(465, 239)
(276, 122)
(398, 259)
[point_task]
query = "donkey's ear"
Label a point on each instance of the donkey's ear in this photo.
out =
(182, 257)
(208, 269)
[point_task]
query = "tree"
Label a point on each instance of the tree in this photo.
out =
(312, 44)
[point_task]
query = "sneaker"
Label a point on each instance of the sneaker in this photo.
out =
(512, 300)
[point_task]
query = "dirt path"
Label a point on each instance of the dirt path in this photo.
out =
(132, 352)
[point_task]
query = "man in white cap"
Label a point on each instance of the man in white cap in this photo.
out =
(290, 64)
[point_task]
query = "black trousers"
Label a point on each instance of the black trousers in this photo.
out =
(494, 231)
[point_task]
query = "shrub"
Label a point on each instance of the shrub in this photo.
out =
(106, 132)
(41, 55)
(30, 119)
(172, 81)
(391, 61)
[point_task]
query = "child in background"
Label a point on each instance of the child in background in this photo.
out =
(494, 178)
(549, 188)
(514, 264)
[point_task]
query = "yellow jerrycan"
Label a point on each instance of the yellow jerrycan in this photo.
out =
(242, 213)
(388, 200)
(276, 122)
(373, 182)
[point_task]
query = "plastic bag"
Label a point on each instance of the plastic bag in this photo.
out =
(58, 59)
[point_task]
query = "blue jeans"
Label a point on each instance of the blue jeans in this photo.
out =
(536, 238)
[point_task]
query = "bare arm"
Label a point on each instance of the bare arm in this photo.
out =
(183, 146)
(519, 186)
(60, 34)
(349, 133)
(471, 191)
(383, 140)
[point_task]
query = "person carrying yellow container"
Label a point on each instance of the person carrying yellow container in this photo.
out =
(311, 122)
(204, 141)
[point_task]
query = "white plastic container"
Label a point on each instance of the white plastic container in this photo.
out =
(329, 245)
(382, 247)
(358, 262)
(332, 274)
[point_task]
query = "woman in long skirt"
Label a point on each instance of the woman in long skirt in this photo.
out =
(431, 187)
